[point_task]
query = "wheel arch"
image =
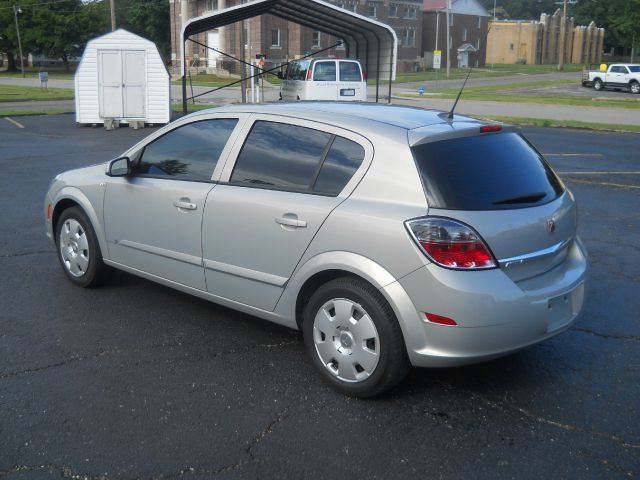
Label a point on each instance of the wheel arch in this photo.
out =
(73, 197)
(325, 267)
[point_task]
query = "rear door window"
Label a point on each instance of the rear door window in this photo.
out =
(350, 72)
(342, 161)
(485, 172)
(324, 72)
(189, 152)
(280, 156)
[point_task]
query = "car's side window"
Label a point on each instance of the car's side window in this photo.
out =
(325, 71)
(342, 161)
(189, 152)
(288, 157)
(281, 156)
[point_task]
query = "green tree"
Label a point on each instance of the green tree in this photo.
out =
(8, 36)
(147, 18)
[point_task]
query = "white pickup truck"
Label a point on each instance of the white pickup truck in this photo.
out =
(618, 75)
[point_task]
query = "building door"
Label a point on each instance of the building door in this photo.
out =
(122, 82)
(463, 59)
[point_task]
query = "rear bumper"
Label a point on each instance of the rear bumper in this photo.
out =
(495, 315)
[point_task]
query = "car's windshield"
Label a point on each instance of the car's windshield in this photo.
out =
(634, 68)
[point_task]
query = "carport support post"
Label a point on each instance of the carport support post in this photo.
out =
(184, 77)
(390, 70)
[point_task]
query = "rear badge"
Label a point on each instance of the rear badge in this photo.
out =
(551, 225)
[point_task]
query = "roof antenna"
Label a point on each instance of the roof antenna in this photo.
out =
(450, 115)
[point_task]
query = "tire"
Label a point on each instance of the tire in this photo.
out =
(597, 84)
(78, 249)
(358, 359)
(634, 87)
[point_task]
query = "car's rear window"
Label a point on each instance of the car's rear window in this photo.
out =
(350, 72)
(485, 172)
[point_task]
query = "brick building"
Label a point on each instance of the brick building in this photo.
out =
(468, 25)
(280, 40)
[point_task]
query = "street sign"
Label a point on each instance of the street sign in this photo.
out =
(437, 57)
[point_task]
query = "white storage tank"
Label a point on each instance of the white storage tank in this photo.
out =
(121, 76)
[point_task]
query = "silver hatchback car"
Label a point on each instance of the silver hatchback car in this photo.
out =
(391, 236)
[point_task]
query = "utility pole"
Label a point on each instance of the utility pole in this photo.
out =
(16, 11)
(563, 34)
(113, 15)
(448, 37)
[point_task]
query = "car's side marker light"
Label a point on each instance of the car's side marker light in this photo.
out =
(433, 318)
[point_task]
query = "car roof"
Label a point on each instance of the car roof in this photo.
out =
(351, 115)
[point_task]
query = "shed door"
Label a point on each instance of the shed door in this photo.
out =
(110, 74)
(122, 83)
(134, 83)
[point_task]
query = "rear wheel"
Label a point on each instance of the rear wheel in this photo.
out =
(78, 249)
(634, 87)
(354, 339)
(597, 84)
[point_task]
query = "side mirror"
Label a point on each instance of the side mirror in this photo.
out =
(120, 167)
(279, 75)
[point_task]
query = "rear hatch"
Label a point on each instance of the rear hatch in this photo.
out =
(498, 184)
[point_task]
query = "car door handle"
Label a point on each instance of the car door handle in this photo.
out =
(185, 204)
(291, 222)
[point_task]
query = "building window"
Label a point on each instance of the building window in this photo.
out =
(478, 44)
(479, 22)
(511, 46)
(451, 19)
(408, 38)
(410, 12)
(315, 42)
(211, 5)
(393, 10)
(373, 10)
(352, 7)
(464, 34)
(275, 37)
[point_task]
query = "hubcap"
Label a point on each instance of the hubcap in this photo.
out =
(635, 88)
(346, 340)
(74, 248)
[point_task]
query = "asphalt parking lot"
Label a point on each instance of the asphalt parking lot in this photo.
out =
(134, 380)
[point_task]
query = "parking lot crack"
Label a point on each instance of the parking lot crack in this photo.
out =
(564, 426)
(77, 358)
(23, 254)
(65, 472)
(631, 338)
(280, 416)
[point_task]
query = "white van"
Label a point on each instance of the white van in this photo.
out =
(324, 79)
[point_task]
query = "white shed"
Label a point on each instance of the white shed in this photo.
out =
(121, 76)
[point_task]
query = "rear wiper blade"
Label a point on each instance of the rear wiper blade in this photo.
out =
(527, 198)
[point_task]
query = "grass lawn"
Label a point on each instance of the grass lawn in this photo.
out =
(192, 107)
(58, 75)
(538, 122)
(213, 81)
(13, 93)
(501, 93)
(498, 70)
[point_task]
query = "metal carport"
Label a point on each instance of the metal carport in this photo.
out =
(374, 43)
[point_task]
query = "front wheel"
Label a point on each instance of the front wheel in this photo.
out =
(354, 339)
(78, 249)
(635, 87)
(597, 84)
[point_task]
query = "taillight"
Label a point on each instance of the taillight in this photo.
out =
(450, 243)
(309, 73)
(490, 128)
